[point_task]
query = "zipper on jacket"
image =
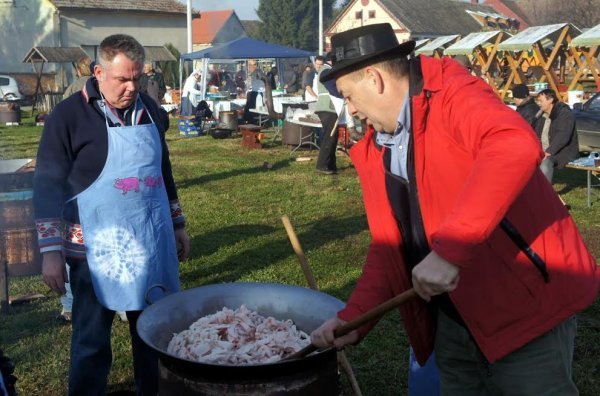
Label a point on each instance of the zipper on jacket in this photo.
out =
(516, 237)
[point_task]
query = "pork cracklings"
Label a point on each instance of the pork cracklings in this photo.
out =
(240, 337)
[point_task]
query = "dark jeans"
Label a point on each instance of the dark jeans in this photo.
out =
(326, 160)
(91, 354)
(250, 117)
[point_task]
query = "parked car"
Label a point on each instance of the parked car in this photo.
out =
(9, 90)
(588, 123)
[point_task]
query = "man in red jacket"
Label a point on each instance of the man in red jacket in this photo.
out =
(458, 209)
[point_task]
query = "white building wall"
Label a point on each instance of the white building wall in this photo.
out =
(359, 13)
(24, 24)
(36, 23)
(87, 29)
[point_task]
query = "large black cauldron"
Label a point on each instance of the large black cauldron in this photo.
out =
(313, 375)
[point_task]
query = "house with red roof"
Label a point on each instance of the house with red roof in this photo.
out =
(512, 9)
(215, 27)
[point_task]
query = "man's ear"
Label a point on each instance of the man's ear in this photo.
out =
(374, 79)
(99, 72)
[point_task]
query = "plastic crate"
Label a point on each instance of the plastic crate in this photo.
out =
(189, 128)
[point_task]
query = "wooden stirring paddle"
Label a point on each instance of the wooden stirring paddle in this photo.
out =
(361, 320)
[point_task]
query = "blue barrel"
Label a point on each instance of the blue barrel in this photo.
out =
(423, 380)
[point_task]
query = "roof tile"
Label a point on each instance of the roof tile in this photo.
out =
(169, 6)
(436, 16)
(205, 28)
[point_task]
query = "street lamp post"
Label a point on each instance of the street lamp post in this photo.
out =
(320, 27)
(189, 26)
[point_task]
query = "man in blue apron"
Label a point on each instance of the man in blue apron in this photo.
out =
(105, 202)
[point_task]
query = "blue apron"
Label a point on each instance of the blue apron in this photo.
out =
(126, 218)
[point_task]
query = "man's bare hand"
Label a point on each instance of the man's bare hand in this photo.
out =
(434, 276)
(323, 336)
(182, 241)
(54, 271)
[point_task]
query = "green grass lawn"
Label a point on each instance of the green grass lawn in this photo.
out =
(233, 204)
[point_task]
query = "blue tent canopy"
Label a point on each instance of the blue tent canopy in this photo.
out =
(244, 48)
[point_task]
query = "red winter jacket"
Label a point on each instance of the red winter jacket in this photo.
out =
(476, 162)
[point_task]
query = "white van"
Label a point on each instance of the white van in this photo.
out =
(9, 90)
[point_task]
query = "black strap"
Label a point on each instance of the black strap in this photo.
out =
(514, 235)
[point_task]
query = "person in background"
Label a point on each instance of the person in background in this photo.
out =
(240, 80)
(7, 379)
(153, 83)
(273, 77)
(105, 202)
(526, 105)
(307, 83)
(189, 94)
(290, 79)
(459, 210)
(327, 109)
(255, 84)
(84, 72)
(556, 128)
(228, 83)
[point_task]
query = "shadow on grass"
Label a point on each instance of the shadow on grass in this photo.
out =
(212, 241)
(233, 267)
(232, 173)
(572, 178)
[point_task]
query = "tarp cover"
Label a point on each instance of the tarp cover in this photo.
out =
(420, 43)
(589, 38)
(439, 42)
(524, 40)
(468, 44)
(246, 48)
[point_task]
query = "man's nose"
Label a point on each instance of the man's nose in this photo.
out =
(132, 85)
(351, 109)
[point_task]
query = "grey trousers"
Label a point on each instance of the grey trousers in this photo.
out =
(541, 367)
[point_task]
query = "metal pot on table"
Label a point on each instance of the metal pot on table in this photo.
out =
(315, 374)
(228, 120)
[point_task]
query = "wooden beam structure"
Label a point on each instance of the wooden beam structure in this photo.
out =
(546, 47)
(482, 49)
(587, 47)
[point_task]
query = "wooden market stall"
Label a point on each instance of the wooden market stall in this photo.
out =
(547, 47)
(436, 47)
(481, 49)
(39, 56)
(588, 46)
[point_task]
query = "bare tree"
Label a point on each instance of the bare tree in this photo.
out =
(581, 13)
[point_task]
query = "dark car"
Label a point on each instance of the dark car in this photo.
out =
(588, 123)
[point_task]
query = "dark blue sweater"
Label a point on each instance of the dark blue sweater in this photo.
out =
(73, 151)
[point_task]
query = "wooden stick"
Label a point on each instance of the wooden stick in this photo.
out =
(342, 358)
(361, 320)
(312, 283)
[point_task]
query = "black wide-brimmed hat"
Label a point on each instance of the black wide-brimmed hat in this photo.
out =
(356, 46)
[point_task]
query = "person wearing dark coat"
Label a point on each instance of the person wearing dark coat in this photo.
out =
(556, 128)
(526, 105)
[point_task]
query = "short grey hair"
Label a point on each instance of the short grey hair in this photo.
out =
(397, 66)
(124, 44)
